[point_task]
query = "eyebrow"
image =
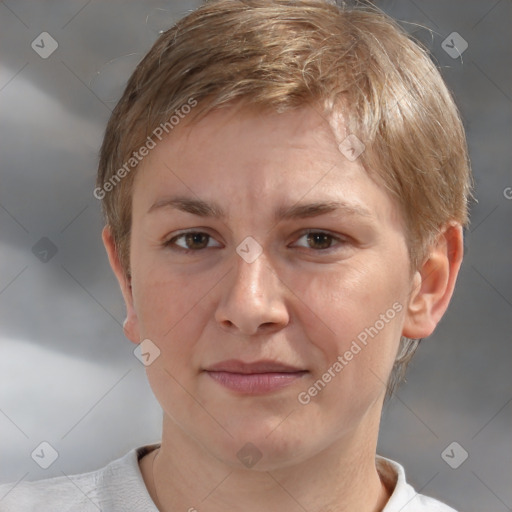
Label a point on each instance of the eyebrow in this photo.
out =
(301, 211)
(297, 211)
(189, 205)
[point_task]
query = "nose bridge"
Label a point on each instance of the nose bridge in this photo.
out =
(254, 278)
(252, 299)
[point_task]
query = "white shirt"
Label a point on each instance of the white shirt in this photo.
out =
(119, 487)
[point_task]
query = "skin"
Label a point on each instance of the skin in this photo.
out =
(301, 302)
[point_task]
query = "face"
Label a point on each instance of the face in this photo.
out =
(272, 273)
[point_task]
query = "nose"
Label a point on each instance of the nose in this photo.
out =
(252, 300)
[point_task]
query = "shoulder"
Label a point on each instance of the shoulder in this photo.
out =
(109, 489)
(404, 498)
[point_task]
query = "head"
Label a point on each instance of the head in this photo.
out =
(252, 109)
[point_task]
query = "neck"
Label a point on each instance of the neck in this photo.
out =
(182, 475)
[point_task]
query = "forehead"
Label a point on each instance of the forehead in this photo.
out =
(245, 156)
(239, 133)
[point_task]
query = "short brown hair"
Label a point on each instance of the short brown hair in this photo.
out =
(281, 55)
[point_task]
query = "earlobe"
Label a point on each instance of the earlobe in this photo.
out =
(433, 283)
(130, 325)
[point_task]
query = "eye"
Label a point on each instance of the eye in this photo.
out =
(318, 240)
(193, 241)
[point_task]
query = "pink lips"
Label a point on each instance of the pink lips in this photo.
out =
(254, 378)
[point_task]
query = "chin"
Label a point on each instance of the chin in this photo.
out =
(262, 446)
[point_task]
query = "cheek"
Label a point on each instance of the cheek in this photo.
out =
(167, 297)
(170, 311)
(355, 312)
(351, 296)
(171, 314)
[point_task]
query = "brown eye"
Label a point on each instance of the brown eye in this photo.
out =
(319, 240)
(196, 240)
(193, 241)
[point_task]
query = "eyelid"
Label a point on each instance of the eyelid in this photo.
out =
(340, 239)
(168, 241)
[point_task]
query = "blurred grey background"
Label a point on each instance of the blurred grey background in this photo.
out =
(68, 376)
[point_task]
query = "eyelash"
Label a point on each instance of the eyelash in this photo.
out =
(335, 239)
(172, 241)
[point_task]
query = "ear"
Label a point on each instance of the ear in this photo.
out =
(434, 282)
(130, 325)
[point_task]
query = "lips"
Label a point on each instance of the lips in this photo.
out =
(254, 378)
(264, 366)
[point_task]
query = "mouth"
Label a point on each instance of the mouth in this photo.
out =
(255, 378)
